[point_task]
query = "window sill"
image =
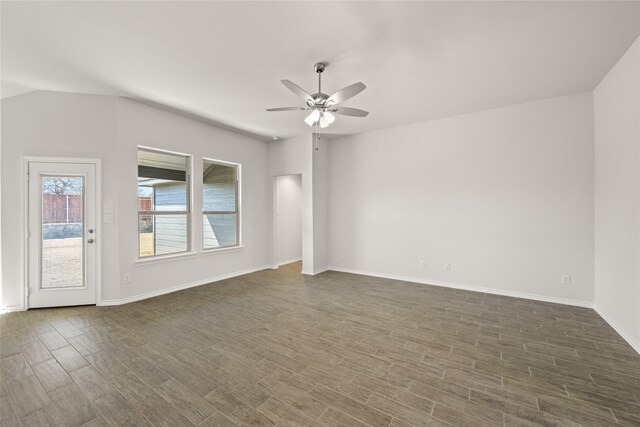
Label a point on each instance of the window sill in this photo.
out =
(165, 258)
(222, 250)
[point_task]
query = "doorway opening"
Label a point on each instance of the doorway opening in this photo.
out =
(288, 219)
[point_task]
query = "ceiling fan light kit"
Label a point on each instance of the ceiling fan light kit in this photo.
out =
(322, 106)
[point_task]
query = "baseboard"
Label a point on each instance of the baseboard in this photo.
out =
(181, 287)
(289, 261)
(492, 291)
(624, 334)
(314, 272)
(12, 308)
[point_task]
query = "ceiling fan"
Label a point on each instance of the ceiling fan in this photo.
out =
(322, 106)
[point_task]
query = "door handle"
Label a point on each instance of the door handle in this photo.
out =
(90, 241)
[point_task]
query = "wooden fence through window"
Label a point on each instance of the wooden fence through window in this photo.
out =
(67, 209)
(145, 203)
(61, 208)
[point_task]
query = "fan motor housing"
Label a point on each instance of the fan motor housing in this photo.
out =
(320, 98)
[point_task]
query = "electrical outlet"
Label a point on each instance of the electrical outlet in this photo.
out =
(422, 263)
(566, 279)
(447, 266)
(126, 278)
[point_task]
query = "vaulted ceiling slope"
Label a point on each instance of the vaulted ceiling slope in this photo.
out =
(224, 60)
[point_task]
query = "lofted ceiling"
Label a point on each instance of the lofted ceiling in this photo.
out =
(223, 61)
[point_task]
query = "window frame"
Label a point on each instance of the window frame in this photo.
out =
(188, 213)
(237, 212)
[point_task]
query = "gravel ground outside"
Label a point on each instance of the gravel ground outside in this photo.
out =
(146, 244)
(62, 262)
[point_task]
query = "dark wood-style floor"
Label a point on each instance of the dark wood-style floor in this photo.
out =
(277, 348)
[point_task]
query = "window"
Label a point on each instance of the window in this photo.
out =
(163, 203)
(220, 213)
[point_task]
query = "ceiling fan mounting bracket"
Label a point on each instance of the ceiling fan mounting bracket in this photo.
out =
(319, 67)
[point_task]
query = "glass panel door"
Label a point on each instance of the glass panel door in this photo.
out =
(62, 235)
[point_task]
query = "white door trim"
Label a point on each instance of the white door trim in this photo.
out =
(24, 217)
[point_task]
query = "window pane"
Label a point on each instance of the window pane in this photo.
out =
(162, 234)
(219, 230)
(62, 230)
(145, 235)
(162, 181)
(219, 187)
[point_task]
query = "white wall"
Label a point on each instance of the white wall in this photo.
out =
(72, 125)
(298, 156)
(321, 207)
(505, 196)
(140, 124)
(292, 156)
(288, 238)
(617, 196)
(55, 125)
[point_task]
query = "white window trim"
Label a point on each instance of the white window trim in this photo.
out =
(225, 249)
(189, 213)
(155, 259)
(239, 245)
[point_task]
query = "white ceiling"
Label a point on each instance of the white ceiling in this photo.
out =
(224, 60)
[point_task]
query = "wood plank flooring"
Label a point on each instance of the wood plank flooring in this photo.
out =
(279, 348)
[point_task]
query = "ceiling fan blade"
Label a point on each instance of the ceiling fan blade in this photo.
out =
(298, 91)
(345, 93)
(346, 111)
(287, 109)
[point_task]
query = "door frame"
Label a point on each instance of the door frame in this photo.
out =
(24, 193)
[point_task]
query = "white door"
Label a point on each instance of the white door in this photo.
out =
(62, 234)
